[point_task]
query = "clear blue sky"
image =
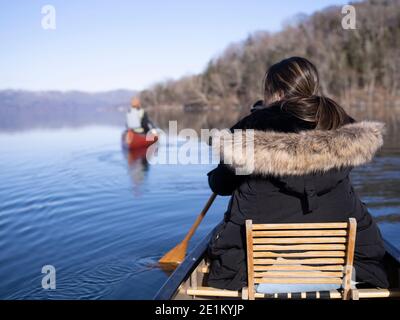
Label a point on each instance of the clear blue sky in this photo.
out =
(104, 45)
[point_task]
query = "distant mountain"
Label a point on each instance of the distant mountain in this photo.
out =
(26, 109)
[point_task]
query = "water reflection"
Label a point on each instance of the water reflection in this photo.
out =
(389, 218)
(138, 166)
(195, 120)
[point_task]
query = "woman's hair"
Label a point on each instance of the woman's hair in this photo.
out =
(293, 84)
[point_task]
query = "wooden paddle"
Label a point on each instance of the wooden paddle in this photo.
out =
(176, 255)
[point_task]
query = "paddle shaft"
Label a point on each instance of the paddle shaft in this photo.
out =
(177, 254)
(200, 218)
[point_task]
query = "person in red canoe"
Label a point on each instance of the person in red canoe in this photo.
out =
(137, 119)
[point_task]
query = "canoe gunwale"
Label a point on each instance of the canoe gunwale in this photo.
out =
(183, 271)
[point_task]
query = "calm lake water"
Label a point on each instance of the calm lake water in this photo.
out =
(102, 217)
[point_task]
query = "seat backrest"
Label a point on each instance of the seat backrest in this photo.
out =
(301, 253)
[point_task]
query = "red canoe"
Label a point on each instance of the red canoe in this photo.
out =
(132, 140)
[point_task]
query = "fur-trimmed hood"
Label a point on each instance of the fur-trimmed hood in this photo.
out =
(306, 152)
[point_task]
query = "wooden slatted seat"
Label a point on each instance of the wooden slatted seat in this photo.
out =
(296, 253)
(288, 254)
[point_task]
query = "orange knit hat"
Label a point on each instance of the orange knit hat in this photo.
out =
(135, 102)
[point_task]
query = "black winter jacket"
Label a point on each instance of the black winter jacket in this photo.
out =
(298, 174)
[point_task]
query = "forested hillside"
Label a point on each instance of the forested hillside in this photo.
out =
(360, 68)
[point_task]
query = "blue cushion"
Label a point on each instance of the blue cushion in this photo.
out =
(271, 288)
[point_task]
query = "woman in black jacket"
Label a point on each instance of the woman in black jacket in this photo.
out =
(305, 146)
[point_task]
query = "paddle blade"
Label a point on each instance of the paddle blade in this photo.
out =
(175, 256)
